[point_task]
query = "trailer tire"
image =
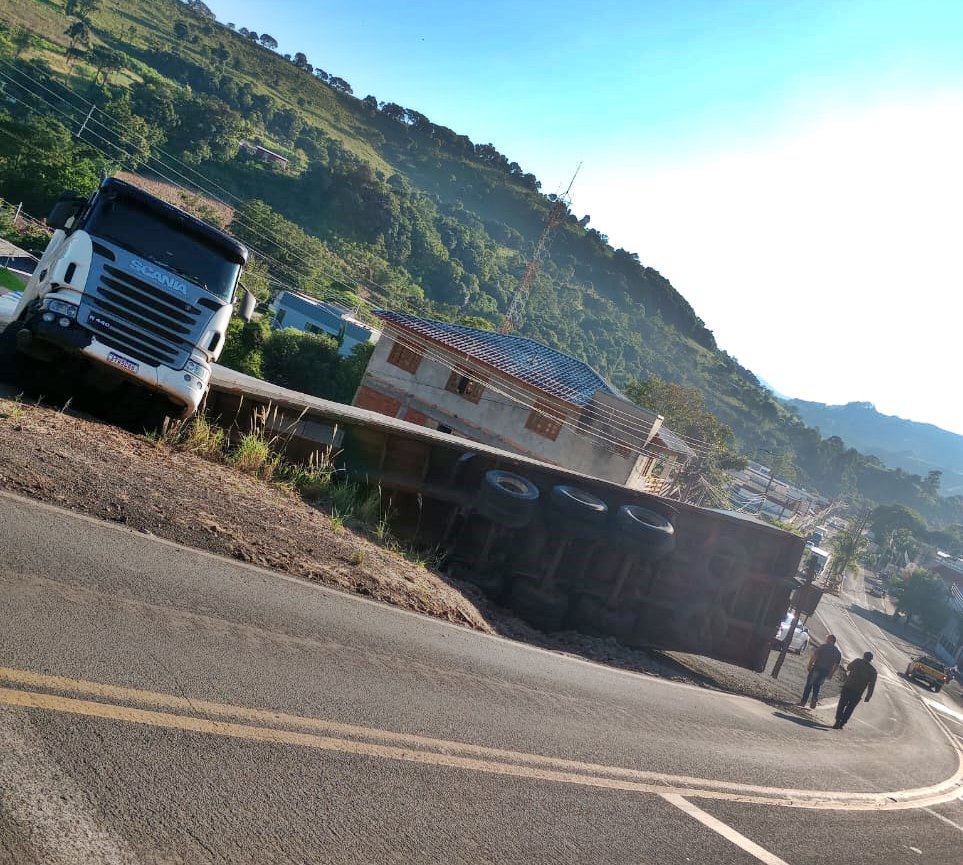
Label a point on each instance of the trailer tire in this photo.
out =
(650, 532)
(507, 499)
(576, 512)
(576, 502)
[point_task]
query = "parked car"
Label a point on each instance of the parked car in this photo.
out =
(929, 670)
(800, 640)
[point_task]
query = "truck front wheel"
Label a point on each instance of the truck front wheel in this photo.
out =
(156, 413)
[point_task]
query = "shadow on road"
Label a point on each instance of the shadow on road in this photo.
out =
(893, 627)
(802, 722)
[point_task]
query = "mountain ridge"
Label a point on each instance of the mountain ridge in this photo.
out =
(918, 447)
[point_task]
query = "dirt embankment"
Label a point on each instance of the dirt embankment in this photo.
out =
(93, 468)
(97, 469)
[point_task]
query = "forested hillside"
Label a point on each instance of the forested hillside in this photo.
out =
(377, 203)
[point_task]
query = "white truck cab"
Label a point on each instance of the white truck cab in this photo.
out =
(135, 288)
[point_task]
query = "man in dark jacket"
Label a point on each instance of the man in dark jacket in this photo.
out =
(822, 664)
(861, 677)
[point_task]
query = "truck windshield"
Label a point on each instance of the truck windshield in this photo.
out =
(146, 234)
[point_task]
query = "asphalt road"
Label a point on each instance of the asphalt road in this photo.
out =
(158, 704)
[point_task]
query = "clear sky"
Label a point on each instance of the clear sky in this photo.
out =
(792, 166)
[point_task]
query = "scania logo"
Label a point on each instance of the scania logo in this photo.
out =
(162, 278)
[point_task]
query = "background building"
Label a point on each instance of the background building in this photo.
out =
(517, 394)
(300, 312)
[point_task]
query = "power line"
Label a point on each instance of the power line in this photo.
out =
(620, 420)
(348, 282)
(336, 300)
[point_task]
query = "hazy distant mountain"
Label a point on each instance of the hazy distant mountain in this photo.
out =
(914, 447)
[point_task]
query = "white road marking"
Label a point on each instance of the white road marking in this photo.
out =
(723, 829)
(944, 819)
(946, 710)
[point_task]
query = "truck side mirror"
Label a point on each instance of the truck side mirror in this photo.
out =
(68, 205)
(248, 302)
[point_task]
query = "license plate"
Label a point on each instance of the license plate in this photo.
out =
(123, 362)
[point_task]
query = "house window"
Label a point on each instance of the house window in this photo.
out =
(404, 358)
(545, 421)
(466, 384)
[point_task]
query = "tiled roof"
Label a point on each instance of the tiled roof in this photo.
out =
(673, 442)
(545, 368)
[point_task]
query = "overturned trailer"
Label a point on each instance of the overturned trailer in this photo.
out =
(561, 549)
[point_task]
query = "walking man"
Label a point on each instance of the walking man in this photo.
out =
(822, 664)
(861, 677)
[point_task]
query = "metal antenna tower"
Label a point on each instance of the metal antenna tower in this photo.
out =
(558, 212)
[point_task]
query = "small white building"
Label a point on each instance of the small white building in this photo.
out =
(300, 312)
(517, 394)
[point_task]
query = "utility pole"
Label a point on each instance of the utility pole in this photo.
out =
(765, 495)
(811, 566)
(556, 214)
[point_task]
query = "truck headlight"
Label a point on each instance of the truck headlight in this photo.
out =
(62, 308)
(197, 370)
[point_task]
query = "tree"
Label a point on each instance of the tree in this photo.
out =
(182, 29)
(476, 322)
(897, 549)
(257, 279)
(156, 102)
(244, 344)
(302, 361)
(931, 485)
(340, 84)
(848, 549)
(393, 111)
(886, 519)
(78, 33)
(23, 39)
(925, 595)
(106, 60)
(81, 8)
(269, 41)
(301, 60)
(703, 479)
(221, 54)
(41, 159)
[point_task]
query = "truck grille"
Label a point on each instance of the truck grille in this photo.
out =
(141, 320)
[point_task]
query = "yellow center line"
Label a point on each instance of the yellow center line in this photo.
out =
(385, 744)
